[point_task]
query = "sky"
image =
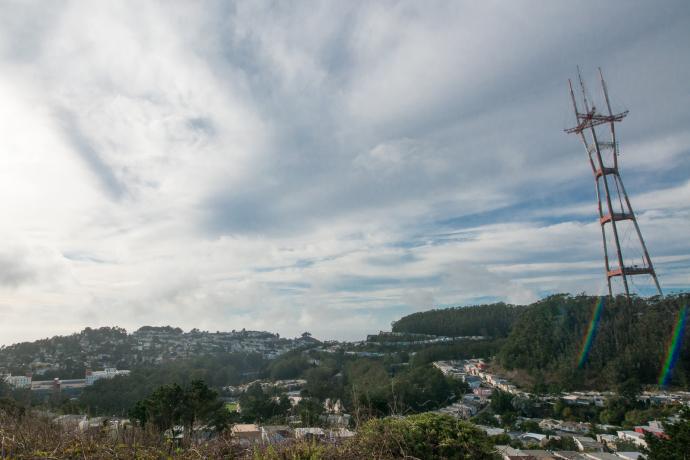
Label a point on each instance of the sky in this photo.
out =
(323, 166)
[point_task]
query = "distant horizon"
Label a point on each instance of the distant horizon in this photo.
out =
(185, 330)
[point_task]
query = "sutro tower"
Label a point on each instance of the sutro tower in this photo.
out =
(615, 211)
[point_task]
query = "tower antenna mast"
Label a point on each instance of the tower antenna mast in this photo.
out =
(615, 210)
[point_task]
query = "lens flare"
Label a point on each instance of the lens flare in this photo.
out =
(674, 346)
(591, 332)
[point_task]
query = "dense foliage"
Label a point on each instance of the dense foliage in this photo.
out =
(370, 391)
(288, 366)
(628, 349)
(462, 349)
(172, 405)
(495, 320)
(260, 406)
(546, 339)
(428, 436)
(118, 395)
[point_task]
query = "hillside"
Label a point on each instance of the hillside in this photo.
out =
(629, 342)
(545, 340)
(69, 356)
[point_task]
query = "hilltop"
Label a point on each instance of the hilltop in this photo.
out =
(492, 320)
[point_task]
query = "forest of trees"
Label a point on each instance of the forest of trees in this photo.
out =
(494, 320)
(629, 346)
(173, 405)
(545, 339)
(119, 395)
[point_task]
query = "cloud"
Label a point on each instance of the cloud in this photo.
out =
(113, 187)
(15, 271)
(322, 167)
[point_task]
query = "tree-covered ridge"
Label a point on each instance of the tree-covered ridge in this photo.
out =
(545, 339)
(630, 342)
(494, 320)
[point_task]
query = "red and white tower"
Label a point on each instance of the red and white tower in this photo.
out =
(597, 131)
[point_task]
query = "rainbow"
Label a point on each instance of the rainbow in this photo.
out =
(591, 332)
(674, 346)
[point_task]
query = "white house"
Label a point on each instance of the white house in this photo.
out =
(632, 436)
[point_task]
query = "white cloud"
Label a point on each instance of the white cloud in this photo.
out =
(324, 168)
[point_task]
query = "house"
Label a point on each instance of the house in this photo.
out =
(609, 440)
(333, 407)
(539, 454)
(491, 431)
(459, 410)
(549, 424)
(46, 385)
(601, 456)
(573, 427)
(632, 436)
(606, 427)
(472, 399)
(444, 366)
(511, 453)
(294, 400)
(339, 434)
(473, 382)
(276, 434)
(246, 434)
(653, 428)
(576, 399)
(94, 423)
(311, 434)
(531, 438)
(483, 393)
(72, 386)
(568, 455)
(336, 420)
(585, 443)
(69, 421)
(630, 455)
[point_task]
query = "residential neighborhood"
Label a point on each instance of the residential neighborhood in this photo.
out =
(602, 446)
(520, 437)
(114, 347)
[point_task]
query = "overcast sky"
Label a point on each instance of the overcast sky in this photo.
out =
(322, 166)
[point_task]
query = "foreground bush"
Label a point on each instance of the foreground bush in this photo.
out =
(424, 436)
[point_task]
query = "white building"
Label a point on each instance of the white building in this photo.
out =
(107, 373)
(632, 436)
(18, 381)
